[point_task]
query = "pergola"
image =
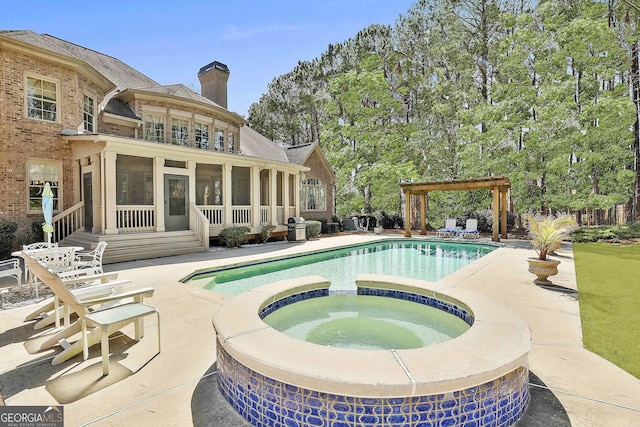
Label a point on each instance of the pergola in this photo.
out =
(498, 184)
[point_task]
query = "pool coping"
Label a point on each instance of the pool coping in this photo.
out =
(209, 272)
(498, 343)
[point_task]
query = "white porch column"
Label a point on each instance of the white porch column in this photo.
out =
(285, 196)
(273, 196)
(296, 193)
(109, 191)
(255, 197)
(77, 180)
(96, 185)
(158, 191)
(226, 194)
(191, 167)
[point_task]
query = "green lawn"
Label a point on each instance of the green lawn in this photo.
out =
(608, 279)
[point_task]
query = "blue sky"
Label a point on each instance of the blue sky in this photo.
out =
(170, 40)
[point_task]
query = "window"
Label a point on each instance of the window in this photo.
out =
(40, 172)
(202, 136)
(179, 131)
(88, 113)
(154, 127)
(232, 141)
(42, 99)
(219, 140)
(313, 195)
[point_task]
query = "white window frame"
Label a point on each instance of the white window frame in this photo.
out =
(154, 124)
(202, 135)
(232, 141)
(36, 183)
(32, 95)
(89, 117)
(316, 189)
(180, 131)
(218, 138)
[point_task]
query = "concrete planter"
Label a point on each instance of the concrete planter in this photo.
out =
(543, 269)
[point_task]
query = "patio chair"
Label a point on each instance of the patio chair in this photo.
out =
(449, 229)
(59, 259)
(471, 229)
(91, 259)
(10, 268)
(93, 285)
(39, 245)
(104, 320)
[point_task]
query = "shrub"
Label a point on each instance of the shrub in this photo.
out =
(266, 232)
(391, 221)
(234, 237)
(7, 238)
(313, 229)
(324, 228)
(606, 232)
(37, 232)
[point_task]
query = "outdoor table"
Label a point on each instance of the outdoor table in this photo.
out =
(58, 259)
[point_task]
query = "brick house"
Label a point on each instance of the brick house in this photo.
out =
(153, 169)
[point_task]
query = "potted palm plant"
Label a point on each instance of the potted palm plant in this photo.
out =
(547, 233)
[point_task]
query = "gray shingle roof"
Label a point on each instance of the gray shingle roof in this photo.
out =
(122, 75)
(254, 144)
(119, 108)
(299, 154)
(179, 90)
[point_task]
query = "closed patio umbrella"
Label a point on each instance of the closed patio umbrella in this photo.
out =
(47, 211)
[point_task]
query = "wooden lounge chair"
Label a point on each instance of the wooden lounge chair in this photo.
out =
(449, 229)
(93, 285)
(471, 229)
(104, 321)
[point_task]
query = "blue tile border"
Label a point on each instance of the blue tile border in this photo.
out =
(290, 299)
(387, 293)
(264, 401)
(420, 299)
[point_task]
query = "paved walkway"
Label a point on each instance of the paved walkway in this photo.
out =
(177, 387)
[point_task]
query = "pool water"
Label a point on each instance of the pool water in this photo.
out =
(423, 260)
(365, 322)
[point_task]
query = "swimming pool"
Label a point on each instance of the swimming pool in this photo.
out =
(416, 259)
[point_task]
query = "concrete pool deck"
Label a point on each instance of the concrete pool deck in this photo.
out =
(175, 387)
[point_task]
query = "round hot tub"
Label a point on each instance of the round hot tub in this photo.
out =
(366, 322)
(479, 377)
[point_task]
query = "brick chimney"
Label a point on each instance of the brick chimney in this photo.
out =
(213, 82)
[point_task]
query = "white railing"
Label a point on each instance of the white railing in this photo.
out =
(199, 224)
(135, 218)
(214, 214)
(67, 222)
(265, 215)
(241, 215)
